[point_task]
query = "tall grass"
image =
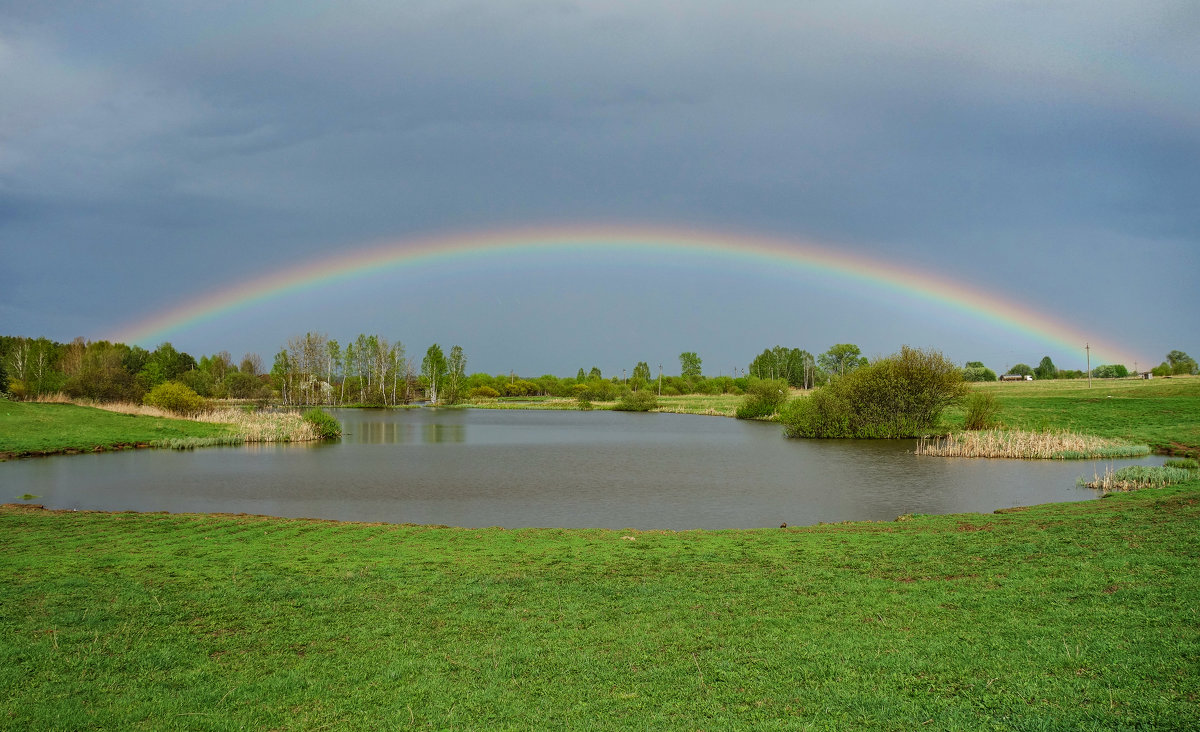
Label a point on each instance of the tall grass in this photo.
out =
(1027, 445)
(1137, 477)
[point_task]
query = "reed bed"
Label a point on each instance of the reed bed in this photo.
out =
(1027, 446)
(263, 426)
(1137, 477)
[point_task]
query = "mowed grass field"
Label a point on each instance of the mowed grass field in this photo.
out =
(29, 428)
(1065, 616)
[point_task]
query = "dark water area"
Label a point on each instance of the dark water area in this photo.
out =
(476, 468)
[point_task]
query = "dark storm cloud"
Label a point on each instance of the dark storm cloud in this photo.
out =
(220, 139)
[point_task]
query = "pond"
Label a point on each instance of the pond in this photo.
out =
(475, 468)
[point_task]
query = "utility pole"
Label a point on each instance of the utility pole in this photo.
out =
(1088, 347)
(660, 379)
(623, 378)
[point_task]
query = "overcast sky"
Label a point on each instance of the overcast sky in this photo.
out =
(153, 152)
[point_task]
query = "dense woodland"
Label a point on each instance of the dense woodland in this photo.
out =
(370, 370)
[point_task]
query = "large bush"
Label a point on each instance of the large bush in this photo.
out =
(763, 398)
(325, 425)
(175, 397)
(642, 400)
(902, 395)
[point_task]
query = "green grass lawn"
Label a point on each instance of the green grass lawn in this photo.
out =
(1162, 413)
(1064, 616)
(30, 428)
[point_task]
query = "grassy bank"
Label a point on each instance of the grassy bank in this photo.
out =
(36, 428)
(1078, 615)
(28, 428)
(1162, 413)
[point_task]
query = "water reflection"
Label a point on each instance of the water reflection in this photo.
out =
(377, 429)
(566, 469)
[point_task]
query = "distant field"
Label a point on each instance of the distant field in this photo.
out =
(1064, 616)
(33, 428)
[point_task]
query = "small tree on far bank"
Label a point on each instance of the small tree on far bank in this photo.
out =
(1046, 369)
(976, 371)
(689, 364)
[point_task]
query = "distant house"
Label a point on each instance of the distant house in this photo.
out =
(1017, 377)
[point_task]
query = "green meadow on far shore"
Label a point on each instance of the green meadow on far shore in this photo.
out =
(1062, 616)
(1161, 413)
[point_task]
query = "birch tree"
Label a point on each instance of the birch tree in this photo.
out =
(433, 370)
(456, 374)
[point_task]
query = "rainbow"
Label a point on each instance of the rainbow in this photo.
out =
(801, 256)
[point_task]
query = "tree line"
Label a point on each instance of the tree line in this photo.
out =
(370, 370)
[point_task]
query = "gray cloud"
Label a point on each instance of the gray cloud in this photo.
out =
(222, 141)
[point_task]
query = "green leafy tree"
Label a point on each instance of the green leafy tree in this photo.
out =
(581, 376)
(281, 376)
(1181, 363)
(199, 381)
(689, 364)
(1046, 369)
(1021, 369)
(976, 371)
(433, 371)
(594, 373)
(243, 385)
(1110, 371)
(842, 358)
(641, 374)
(456, 375)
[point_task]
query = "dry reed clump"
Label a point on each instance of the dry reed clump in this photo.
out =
(1026, 445)
(263, 426)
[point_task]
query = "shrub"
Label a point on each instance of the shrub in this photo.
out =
(325, 425)
(902, 395)
(1183, 463)
(175, 397)
(483, 392)
(763, 398)
(642, 400)
(982, 409)
(1111, 371)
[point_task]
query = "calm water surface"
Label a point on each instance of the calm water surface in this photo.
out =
(557, 469)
